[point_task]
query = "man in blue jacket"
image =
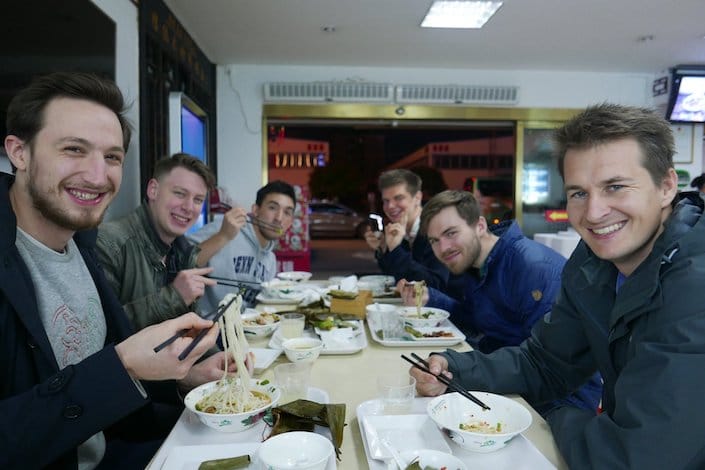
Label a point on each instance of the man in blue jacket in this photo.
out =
(510, 281)
(72, 379)
(401, 251)
(631, 304)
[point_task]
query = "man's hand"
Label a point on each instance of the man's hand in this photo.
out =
(407, 291)
(374, 240)
(233, 220)
(211, 369)
(428, 385)
(394, 233)
(191, 283)
(138, 356)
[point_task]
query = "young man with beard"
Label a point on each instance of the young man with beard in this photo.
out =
(245, 252)
(401, 251)
(73, 379)
(145, 255)
(510, 281)
(631, 304)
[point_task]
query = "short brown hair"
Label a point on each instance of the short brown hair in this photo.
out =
(606, 123)
(390, 178)
(25, 113)
(463, 201)
(188, 162)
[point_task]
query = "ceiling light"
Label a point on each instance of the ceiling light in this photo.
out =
(459, 14)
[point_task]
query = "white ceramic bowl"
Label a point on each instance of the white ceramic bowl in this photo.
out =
(235, 422)
(378, 284)
(255, 323)
(433, 459)
(295, 450)
(295, 276)
(302, 349)
(430, 317)
(451, 410)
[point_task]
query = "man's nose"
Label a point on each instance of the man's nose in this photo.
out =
(95, 170)
(597, 208)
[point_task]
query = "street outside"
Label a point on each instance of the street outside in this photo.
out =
(341, 257)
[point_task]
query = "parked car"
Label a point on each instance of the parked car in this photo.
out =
(330, 219)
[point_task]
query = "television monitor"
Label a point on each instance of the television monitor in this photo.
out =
(188, 133)
(687, 99)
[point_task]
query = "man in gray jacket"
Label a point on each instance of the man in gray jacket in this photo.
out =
(239, 251)
(631, 305)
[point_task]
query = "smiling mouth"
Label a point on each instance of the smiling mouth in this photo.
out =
(86, 196)
(180, 219)
(609, 229)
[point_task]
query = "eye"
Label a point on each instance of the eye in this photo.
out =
(432, 241)
(614, 187)
(115, 158)
(73, 149)
(198, 200)
(577, 195)
(179, 193)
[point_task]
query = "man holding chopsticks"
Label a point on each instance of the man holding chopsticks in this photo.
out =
(631, 304)
(146, 257)
(242, 253)
(76, 390)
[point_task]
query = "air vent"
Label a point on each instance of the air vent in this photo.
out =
(456, 94)
(329, 91)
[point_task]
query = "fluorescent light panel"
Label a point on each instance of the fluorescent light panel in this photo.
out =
(461, 14)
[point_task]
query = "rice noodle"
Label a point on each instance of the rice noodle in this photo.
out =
(233, 394)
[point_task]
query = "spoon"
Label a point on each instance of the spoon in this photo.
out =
(395, 453)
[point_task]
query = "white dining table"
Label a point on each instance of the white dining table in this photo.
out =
(351, 379)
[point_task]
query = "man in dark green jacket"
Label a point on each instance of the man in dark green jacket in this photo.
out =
(631, 305)
(146, 258)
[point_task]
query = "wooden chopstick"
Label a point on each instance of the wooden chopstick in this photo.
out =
(452, 385)
(197, 339)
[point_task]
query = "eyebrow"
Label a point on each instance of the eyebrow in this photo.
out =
(607, 182)
(87, 143)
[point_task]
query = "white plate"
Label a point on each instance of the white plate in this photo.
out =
(275, 301)
(388, 300)
(190, 457)
(458, 337)
(295, 276)
(404, 432)
(519, 454)
(331, 344)
(436, 339)
(264, 357)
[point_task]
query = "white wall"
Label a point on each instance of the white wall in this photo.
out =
(124, 14)
(240, 100)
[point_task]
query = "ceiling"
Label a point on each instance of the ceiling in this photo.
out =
(627, 36)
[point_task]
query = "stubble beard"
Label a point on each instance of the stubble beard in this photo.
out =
(44, 203)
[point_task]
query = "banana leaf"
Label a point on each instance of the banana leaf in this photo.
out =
(303, 415)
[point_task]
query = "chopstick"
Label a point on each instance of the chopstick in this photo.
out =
(424, 366)
(181, 333)
(197, 339)
(230, 282)
(254, 220)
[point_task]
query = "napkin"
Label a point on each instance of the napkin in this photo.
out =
(349, 284)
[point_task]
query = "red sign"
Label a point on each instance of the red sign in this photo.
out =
(556, 216)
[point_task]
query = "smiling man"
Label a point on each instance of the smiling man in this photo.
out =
(240, 251)
(146, 258)
(400, 250)
(631, 304)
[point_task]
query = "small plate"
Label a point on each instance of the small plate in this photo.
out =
(404, 432)
(275, 301)
(264, 357)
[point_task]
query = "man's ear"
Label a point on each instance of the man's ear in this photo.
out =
(152, 189)
(669, 187)
(481, 226)
(17, 151)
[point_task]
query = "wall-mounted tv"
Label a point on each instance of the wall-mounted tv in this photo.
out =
(188, 133)
(687, 99)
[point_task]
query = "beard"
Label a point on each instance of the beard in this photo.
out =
(46, 202)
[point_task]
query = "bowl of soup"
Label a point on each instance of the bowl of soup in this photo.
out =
(302, 349)
(425, 317)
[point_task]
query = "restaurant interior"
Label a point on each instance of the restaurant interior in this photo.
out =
(265, 89)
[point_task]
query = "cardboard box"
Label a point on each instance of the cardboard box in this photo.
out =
(356, 306)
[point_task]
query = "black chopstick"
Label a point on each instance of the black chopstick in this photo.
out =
(181, 333)
(197, 339)
(228, 282)
(254, 220)
(423, 366)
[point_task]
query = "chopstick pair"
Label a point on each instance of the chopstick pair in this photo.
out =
(254, 220)
(424, 366)
(216, 314)
(224, 281)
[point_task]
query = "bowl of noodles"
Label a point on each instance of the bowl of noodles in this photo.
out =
(475, 429)
(227, 407)
(259, 324)
(425, 317)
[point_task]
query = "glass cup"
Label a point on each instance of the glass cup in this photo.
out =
(291, 325)
(385, 319)
(293, 380)
(396, 392)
